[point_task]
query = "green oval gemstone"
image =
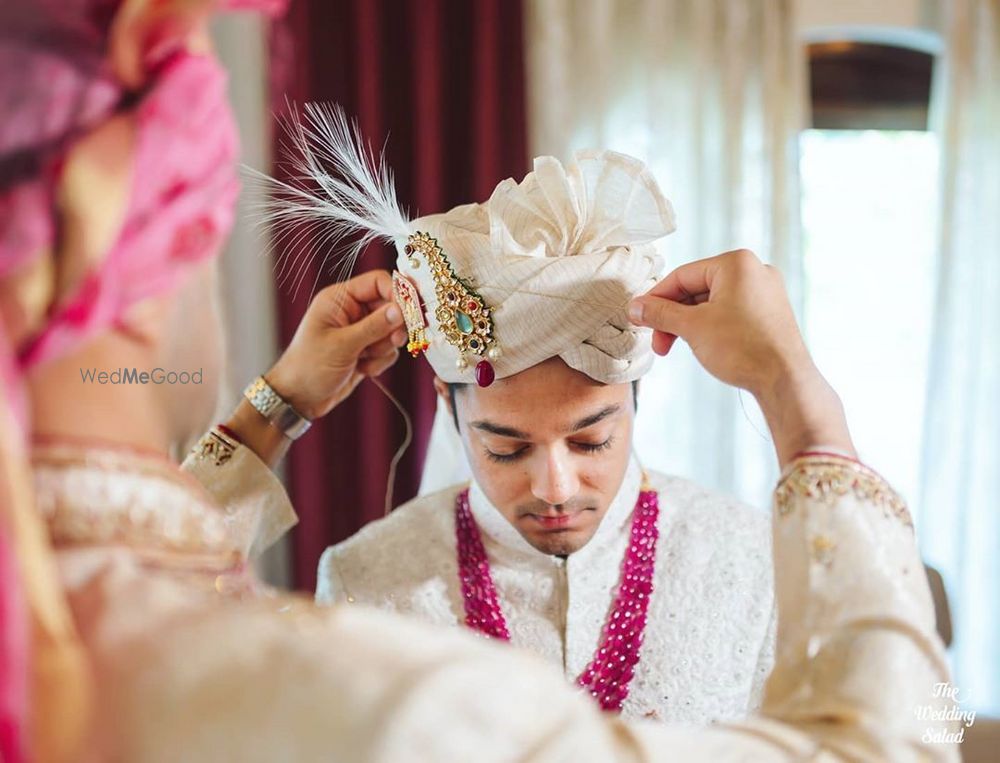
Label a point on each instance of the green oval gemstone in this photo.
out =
(463, 321)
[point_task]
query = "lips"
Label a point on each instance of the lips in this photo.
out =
(553, 521)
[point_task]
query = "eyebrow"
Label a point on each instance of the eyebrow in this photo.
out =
(589, 421)
(517, 434)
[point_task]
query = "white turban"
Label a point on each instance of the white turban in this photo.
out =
(556, 258)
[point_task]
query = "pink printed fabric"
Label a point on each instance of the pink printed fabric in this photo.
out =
(181, 208)
(185, 182)
(47, 99)
(13, 655)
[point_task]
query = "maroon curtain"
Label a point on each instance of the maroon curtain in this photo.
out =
(441, 83)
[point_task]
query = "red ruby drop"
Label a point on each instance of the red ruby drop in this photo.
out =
(484, 373)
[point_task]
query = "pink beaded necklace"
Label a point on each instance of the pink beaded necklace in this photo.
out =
(610, 672)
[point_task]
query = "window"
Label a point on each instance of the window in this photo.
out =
(869, 185)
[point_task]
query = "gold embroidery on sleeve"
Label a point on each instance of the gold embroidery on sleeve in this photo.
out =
(822, 550)
(215, 447)
(826, 478)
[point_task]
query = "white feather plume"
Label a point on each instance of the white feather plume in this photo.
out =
(337, 189)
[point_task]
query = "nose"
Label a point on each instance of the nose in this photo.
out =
(554, 479)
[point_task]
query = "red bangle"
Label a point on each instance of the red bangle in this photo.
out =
(229, 433)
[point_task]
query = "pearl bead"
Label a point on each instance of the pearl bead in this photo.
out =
(461, 364)
(494, 353)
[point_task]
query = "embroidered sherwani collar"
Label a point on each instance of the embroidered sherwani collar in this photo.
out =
(495, 527)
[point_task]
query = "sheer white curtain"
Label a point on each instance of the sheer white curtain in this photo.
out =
(959, 513)
(712, 95)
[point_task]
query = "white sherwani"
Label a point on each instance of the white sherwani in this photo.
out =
(709, 639)
(193, 665)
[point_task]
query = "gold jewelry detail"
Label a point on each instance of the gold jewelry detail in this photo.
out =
(214, 446)
(463, 316)
(827, 478)
(408, 299)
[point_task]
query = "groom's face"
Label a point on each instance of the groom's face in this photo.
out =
(549, 447)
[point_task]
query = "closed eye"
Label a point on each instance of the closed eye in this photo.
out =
(583, 447)
(505, 458)
(594, 447)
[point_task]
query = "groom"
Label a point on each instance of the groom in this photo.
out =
(653, 593)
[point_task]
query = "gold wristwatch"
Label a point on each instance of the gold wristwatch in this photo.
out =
(276, 409)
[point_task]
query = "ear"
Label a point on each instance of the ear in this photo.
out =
(447, 399)
(441, 387)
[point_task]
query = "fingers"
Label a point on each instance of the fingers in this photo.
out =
(378, 365)
(663, 342)
(664, 315)
(692, 282)
(685, 283)
(341, 304)
(384, 346)
(371, 286)
(371, 329)
(668, 306)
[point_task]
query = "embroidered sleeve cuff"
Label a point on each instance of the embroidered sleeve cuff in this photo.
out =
(254, 502)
